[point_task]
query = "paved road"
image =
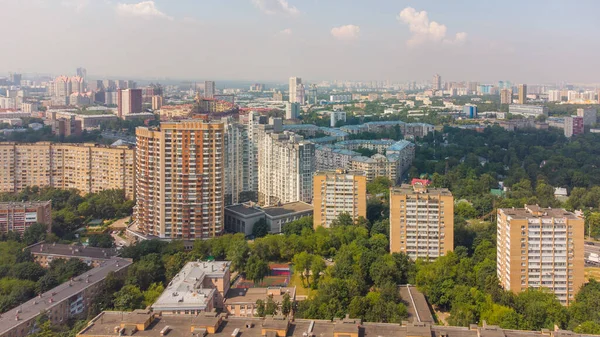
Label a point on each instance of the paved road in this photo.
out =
(592, 253)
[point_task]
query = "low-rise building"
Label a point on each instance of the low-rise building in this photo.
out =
(198, 287)
(241, 218)
(69, 300)
(242, 301)
(44, 253)
(279, 216)
(528, 110)
(147, 324)
(18, 216)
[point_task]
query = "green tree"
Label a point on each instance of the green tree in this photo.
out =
(260, 228)
(260, 308)
(35, 233)
(286, 304)
(271, 306)
(152, 293)
(129, 298)
(257, 269)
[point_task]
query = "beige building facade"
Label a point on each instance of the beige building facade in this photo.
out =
(181, 176)
(337, 192)
(541, 248)
(89, 168)
(421, 221)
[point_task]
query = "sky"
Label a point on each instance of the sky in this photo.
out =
(523, 41)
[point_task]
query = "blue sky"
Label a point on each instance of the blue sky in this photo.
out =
(269, 40)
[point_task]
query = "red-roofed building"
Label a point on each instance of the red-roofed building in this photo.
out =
(423, 182)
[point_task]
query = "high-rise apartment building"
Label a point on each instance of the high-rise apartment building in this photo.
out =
(554, 96)
(421, 221)
(286, 163)
(157, 102)
(129, 101)
(180, 166)
(209, 89)
(540, 247)
(506, 96)
(82, 72)
(337, 192)
(252, 126)
(292, 110)
(88, 168)
(589, 115)
(293, 89)
(436, 84)
(522, 93)
(18, 216)
(237, 182)
(573, 126)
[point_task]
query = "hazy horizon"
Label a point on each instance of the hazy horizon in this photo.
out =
(270, 40)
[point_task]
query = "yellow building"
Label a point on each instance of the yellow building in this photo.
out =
(421, 221)
(89, 168)
(522, 93)
(337, 192)
(541, 247)
(181, 176)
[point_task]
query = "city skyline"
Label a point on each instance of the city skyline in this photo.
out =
(270, 40)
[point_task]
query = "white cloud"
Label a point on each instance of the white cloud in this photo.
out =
(285, 32)
(346, 33)
(273, 7)
(425, 31)
(144, 9)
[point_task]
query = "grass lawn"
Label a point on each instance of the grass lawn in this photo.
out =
(297, 282)
(592, 272)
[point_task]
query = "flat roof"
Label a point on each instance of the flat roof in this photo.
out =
(186, 290)
(77, 251)
(23, 204)
(534, 211)
(180, 326)
(416, 304)
(290, 208)
(408, 189)
(251, 295)
(243, 210)
(54, 297)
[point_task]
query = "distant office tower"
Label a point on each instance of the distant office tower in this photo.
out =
(82, 72)
(253, 128)
(472, 87)
(293, 89)
(421, 221)
(157, 102)
(506, 96)
(292, 110)
(335, 117)
(237, 187)
(300, 94)
(573, 126)
(437, 82)
(590, 115)
(554, 96)
(18, 216)
(522, 93)
(209, 89)
(86, 167)
(278, 96)
(286, 163)
(15, 79)
(540, 247)
(65, 127)
(129, 101)
(470, 111)
(337, 192)
(181, 175)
